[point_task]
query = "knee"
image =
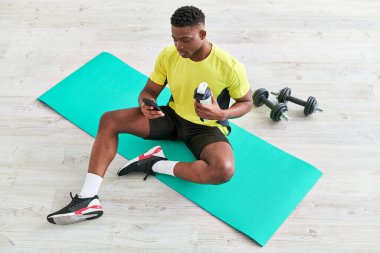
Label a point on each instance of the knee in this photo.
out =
(106, 122)
(224, 172)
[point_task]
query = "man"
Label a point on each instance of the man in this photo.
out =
(183, 66)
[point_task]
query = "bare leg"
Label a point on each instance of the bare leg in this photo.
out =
(86, 205)
(111, 124)
(216, 165)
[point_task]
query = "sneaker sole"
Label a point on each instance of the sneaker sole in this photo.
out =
(70, 218)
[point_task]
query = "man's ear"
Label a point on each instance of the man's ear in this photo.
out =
(202, 34)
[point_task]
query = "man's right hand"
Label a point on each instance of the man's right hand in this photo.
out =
(149, 111)
(151, 90)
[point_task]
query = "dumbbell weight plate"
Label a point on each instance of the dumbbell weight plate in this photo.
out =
(284, 94)
(258, 95)
(311, 103)
(277, 111)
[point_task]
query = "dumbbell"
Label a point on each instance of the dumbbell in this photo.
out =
(278, 111)
(310, 105)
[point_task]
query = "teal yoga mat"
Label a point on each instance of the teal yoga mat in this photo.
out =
(268, 183)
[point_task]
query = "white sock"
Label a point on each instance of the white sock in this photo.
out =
(91, 186)
(164, 167)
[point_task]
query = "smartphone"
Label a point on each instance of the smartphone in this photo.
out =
(150, 102)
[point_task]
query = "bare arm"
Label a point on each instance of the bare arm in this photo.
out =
(151, 90)
(242, 106)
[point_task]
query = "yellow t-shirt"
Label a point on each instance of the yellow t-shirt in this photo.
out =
(225, 76)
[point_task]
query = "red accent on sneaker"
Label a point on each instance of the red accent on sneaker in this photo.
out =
(80, 211)
(143, 156)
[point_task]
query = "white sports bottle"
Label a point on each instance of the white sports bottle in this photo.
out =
(203, 94)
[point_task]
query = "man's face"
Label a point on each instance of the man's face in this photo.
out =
(188, 40)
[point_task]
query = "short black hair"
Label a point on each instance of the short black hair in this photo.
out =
(187, 16)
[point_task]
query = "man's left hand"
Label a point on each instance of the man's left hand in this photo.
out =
(212, 112)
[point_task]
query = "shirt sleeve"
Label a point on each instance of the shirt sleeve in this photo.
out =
(239, 82)
(159, 74)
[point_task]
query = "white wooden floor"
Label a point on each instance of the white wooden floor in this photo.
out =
(329, 49)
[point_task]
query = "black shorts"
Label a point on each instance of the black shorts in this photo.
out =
(173, 127)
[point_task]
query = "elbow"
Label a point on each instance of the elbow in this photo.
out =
(249, 105)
